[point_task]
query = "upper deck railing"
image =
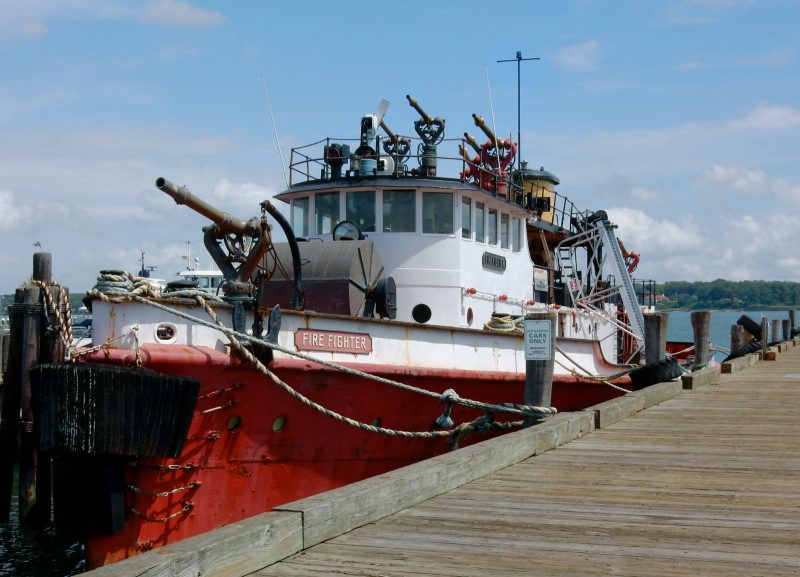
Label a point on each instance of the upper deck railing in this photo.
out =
(309, 164)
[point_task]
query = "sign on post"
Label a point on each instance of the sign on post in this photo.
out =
(538, 339)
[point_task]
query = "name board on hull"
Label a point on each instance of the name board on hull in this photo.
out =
(332, 341)
(494, 261)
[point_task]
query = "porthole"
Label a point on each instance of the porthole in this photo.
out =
(376, 422)
(278, 423)
(166, 333)
(421, 313)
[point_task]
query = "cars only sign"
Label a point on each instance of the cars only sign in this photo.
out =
(538, 340)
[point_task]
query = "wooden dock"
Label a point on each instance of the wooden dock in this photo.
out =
(704, 481)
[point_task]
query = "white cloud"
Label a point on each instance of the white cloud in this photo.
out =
(699, 12)
(28, 19)
(734, 248)
(243, 198)
(766, 117)
(179, 13)
(642, 194)
(579, 57)
(11, 214)
(772, 59)
(643, 233)
(738, 178)
(753, 182)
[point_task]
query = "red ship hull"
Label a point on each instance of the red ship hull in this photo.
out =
(252, 446)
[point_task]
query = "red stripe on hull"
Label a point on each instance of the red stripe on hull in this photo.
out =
(252, 446)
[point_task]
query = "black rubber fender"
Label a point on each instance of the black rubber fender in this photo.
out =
(750, 326)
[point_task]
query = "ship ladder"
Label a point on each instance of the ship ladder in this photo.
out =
(606, 262)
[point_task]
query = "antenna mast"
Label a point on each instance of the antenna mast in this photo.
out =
(519, 60)
(275, 129)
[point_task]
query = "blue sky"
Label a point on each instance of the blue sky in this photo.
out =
(680, 118)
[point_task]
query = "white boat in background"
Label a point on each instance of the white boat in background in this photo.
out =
(208, 281)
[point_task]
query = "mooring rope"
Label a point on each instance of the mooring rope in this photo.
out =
(523, 410)
(606, 380)
(63, 323)
(145, 296)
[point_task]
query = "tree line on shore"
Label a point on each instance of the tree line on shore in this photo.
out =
(725, 294)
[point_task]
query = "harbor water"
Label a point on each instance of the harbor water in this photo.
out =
(29, 553)
(679, 326)
(37, 553)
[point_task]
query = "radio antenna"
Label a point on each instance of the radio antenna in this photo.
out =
(494, 126)
(519, 60)
(275, 129)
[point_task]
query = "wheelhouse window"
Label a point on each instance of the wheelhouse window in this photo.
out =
(437, 213)
(491, 227)
(326, 212)
(516, 234)
(399, 210)
(300, 216)
(480, 210)
(466, 217)
(504, 230)
(360, 208)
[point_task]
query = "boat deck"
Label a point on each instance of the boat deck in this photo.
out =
(707, 483)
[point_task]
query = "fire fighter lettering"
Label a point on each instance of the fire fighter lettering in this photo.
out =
(332, 341)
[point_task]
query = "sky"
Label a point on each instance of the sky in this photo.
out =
(680, 118)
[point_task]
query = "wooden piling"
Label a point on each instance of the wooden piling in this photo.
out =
(700, 328)
(5, 339)
(655, 337)
(787, 333)
(17, 439)
(776, 330)
(764, 337)
(29, 356)
(540, 354)
(10, 416)
(42, 266)
(792, 325)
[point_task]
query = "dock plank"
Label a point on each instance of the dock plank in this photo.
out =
(706, 483)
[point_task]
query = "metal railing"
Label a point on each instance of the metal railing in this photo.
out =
(308, 164)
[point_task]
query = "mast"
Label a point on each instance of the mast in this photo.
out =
(519, 60)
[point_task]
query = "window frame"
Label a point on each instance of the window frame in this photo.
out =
(438, 219)
(466, 203)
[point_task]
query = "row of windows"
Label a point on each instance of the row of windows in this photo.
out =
(399, 209)
(486, 229)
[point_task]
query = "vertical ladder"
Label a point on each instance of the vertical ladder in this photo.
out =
(568, 266)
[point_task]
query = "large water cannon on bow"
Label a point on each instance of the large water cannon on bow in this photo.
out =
(431, 131)
(398, 147)
(237, 246)
(473, 172)
(496, 155)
